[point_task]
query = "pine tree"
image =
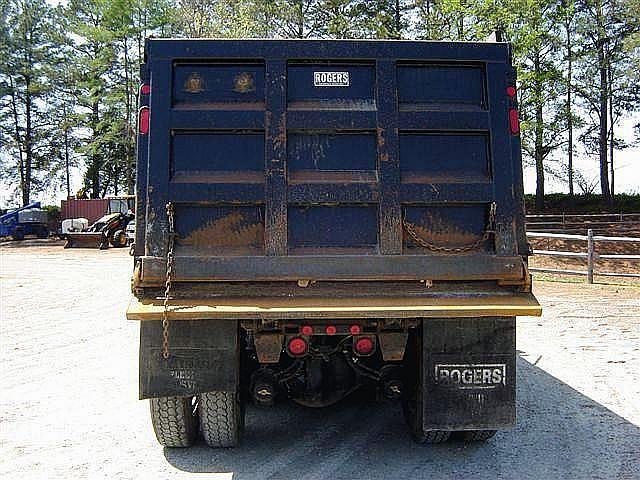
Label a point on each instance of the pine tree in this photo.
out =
(26, 126)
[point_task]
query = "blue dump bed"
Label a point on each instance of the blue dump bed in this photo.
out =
(289, 163)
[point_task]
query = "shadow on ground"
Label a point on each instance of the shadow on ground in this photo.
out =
(560, 434)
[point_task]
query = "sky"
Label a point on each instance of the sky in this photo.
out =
(626, 163)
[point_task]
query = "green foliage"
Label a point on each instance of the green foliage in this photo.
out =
(80, 61)
(28, 50)
(586, 204)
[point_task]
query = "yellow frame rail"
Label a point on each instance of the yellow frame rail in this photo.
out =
(319, 308)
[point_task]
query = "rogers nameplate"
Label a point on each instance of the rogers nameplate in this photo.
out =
(330, 79)
(466, 376)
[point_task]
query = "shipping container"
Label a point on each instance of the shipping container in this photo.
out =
(91, 209)
(315, 217)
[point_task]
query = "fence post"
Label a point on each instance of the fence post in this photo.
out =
(590, 255)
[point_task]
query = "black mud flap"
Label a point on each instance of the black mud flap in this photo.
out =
(204, 357)
(469, 374)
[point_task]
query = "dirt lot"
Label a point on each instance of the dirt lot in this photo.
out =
(69, 405)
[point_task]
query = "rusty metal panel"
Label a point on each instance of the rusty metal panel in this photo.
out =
(336, 229)
(211, 84)
(232, 156)
(447, 226)
(335, 84)
(91, 209)
(282, 149)
(330, 151)
(331, 266)
(461, 85)
(220, 230)
(429, 157)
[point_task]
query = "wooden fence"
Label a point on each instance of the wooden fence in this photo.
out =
(591, 255)
(574, 223)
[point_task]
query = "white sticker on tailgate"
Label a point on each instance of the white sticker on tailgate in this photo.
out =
(330, 79)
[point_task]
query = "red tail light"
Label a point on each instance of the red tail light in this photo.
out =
(297, 346)
(364, 346)
(307, 330)
(514, 122)
(331, 330)
(145, 89)
(511, 91)
(354, 329)
(143, 120)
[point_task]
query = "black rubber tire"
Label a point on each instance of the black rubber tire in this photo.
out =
(174, 421)
(475, 435)
(414, 424)
(119, 239)
(432, 437)
(221, 418)
(18, 234)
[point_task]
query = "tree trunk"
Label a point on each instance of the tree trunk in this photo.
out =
(93, 172)
(568, 104)
(67, 166)
(16, 124)
(300, 19)
(539, 133)
(611, 130)
(603, 100)
(128, 133)
(397, 20)
(28, 143)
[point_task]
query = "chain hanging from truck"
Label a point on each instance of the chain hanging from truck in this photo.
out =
(475, 245)
(171, 237)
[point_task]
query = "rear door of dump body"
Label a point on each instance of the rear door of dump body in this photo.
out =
(290, 160)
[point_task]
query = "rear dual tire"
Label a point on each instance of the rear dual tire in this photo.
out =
(474, 435)
(221, 418)
(218, 415)
(412, 404)
(419, 435)
(174, 421)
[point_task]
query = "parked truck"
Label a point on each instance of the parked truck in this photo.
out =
(25, 221)
(317, 217)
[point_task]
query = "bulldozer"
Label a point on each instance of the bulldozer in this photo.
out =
(109, 229)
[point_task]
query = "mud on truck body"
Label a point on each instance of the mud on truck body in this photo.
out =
(316, 217)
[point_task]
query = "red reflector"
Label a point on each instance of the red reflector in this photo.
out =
(354, 329)
(511, 91)
(307, 330)
(363, 346)
(145, 89)
(297, 346)
(143, 120)
(331, 330)
(514, 122)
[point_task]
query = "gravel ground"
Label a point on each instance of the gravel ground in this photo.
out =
(69, 405)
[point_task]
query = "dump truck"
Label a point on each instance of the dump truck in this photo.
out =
(317, 217)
